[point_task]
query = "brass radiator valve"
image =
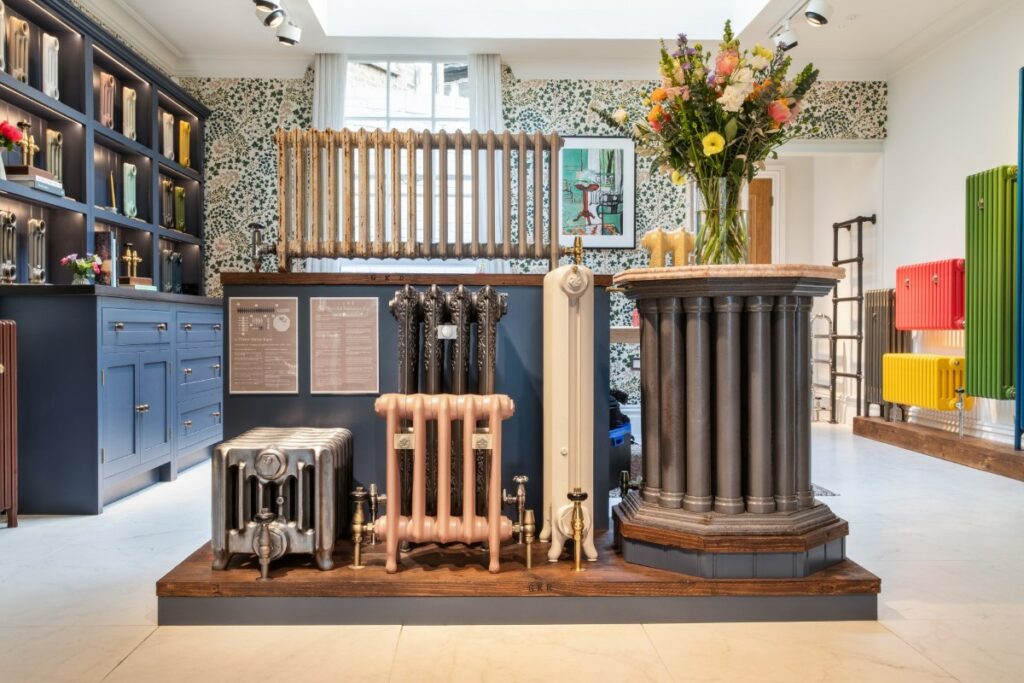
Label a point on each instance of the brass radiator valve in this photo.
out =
(577, 497)
(360, 526)
(264, 541)
(626, 484)
(259, 249)
(519, 500)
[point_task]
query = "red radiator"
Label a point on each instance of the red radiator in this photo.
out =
(9, 422)
(930, 296)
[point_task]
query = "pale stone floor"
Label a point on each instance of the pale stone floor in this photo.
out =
(77, 600)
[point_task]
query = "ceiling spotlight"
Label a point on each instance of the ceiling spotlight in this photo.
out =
(289, 34)
(787, 38)
(271, 19)
(265, 5)
(818, 12)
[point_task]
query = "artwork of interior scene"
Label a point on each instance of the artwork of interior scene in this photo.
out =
(529, 341)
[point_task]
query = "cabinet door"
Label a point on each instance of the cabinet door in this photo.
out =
(119, 388)
(155, 401)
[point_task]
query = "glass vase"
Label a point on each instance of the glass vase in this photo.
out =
(79, 279)
(723, 235)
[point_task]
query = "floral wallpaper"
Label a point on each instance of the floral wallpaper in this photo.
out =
(241, 161)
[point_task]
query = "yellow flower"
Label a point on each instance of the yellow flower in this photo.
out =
(658, 95)
(713, 144)
(763, 52)
(678, 178)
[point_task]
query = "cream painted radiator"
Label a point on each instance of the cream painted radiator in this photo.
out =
(568, 404)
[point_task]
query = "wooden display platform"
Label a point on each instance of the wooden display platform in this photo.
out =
(452, 585)
(981, 454)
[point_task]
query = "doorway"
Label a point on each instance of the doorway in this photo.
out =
(760, 207)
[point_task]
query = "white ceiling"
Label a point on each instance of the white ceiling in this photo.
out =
(537, 38)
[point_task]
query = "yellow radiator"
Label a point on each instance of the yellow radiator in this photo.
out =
(923, 380)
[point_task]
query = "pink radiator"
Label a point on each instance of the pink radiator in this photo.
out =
(9, 421)
(444, 409)
(930, 296)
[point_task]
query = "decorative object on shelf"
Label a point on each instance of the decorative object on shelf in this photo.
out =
(179, 208)
(659, 243)
(106, 248)
(167, 127)
(10, 136)
(131, 210)
(598, 184)
(108, 91)
(51, 66)
(36, 251)
(170, 278)
(568, 407)
(27, 173)
(55, 155)
(715, 121)
(27, 144)
(299, 479)
(8, 247)
(129, 100)
(930, 296)
(924, 380)
(167, 203)
(132, 260)
(185, 143)
(17, 48)
(3, 37)
(84, 269)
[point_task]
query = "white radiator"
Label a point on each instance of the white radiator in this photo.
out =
(17, 48)
(3, 37)
(131, 209)
(51, 65)
(167, 128)
(128, 97)
(568, 404)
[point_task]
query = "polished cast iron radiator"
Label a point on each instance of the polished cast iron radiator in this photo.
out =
(991, 299)
(354, 193)
(923, 380)
(478, 418)
(9, 421)
(286, 485)
(568, 405)
(880, 337)
(439, 332)
(8, 247)
(930, 296)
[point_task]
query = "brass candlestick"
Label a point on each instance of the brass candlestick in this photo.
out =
(132, 260)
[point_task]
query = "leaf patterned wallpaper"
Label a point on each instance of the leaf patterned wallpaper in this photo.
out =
(241, 160)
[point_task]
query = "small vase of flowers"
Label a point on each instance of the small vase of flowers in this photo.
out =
(85, 269)
(10, 135)
(714, 119)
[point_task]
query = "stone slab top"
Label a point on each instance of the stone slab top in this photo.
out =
(745, 270)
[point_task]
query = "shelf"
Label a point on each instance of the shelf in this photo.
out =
(108, 137)
(173, 168)
(176, 236)
(40, 198)
(36, 102)
(122, 221)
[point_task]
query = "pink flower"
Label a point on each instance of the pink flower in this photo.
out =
(680, 91)
(96, 268)
(779, 111)
(726, 62)
(64, 261)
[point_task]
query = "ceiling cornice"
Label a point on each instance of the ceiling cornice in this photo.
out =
(126, 24)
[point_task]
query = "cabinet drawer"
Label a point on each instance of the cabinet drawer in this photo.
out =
(199, 370)
(199, 418)
(128, 326)
(195, 327)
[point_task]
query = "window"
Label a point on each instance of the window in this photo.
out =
(430, 94)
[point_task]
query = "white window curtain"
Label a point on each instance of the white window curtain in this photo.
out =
(329, 72)
(485, 93)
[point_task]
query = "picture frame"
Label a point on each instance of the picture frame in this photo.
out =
(598, 192)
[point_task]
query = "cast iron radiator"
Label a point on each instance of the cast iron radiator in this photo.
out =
(930, 296)
(449, 415)
(299, 477)
(923, 380)
(9, 421)
(438, 333)
(881, 337)
(991, 267)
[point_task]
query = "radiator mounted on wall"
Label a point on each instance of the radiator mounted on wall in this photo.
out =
(930, 296)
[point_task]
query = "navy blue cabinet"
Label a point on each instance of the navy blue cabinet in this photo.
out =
(117, 389)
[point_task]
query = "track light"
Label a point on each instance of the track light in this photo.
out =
(289, 34)
(264, 6)
(817, 12)
(787, 39)
(271, 19)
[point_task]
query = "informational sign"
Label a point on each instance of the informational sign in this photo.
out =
(264, 345)
(343, 339)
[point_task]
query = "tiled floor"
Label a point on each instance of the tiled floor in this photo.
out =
(77, 602)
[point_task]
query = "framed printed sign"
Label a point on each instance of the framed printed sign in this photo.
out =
(598, 186)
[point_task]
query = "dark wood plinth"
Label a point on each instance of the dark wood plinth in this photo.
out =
(981, 454)
(398, 279)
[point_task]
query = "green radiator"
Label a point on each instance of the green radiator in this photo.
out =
(991, 265)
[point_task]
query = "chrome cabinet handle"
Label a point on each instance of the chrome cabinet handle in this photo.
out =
(142, 408)
(216, 327)
(188, 371)
(187, 327)
(187, 423)
(161, 326)
(216, 367)
(216, 414)
(118, 326)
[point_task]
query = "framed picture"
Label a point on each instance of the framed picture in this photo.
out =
(598, 185)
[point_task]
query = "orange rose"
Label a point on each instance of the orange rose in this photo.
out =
(658, 95)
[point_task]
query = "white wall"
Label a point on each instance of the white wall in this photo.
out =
(952, 112)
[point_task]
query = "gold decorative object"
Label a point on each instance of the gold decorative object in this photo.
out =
(17, 48)
(27, 143)
(185, 143)
(660, 242)
(132, 260)
(108, 90)
(577, 497)
(113, 194)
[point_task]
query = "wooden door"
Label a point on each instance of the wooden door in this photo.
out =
(760, 216)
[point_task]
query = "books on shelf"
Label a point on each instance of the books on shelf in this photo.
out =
(38, 182)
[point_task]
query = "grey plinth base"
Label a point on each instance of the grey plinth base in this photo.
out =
(514, 610)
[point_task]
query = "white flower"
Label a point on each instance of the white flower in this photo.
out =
(744, 75)
(734, 95)
(620, 116)
(758, 63)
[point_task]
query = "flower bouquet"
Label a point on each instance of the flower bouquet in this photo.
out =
(715, 120)
(10, 135)
(84, 269)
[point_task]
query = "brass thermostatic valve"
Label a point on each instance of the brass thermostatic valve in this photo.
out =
(577, 497)
(360, 527)
(519, 500)
(626, 484)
